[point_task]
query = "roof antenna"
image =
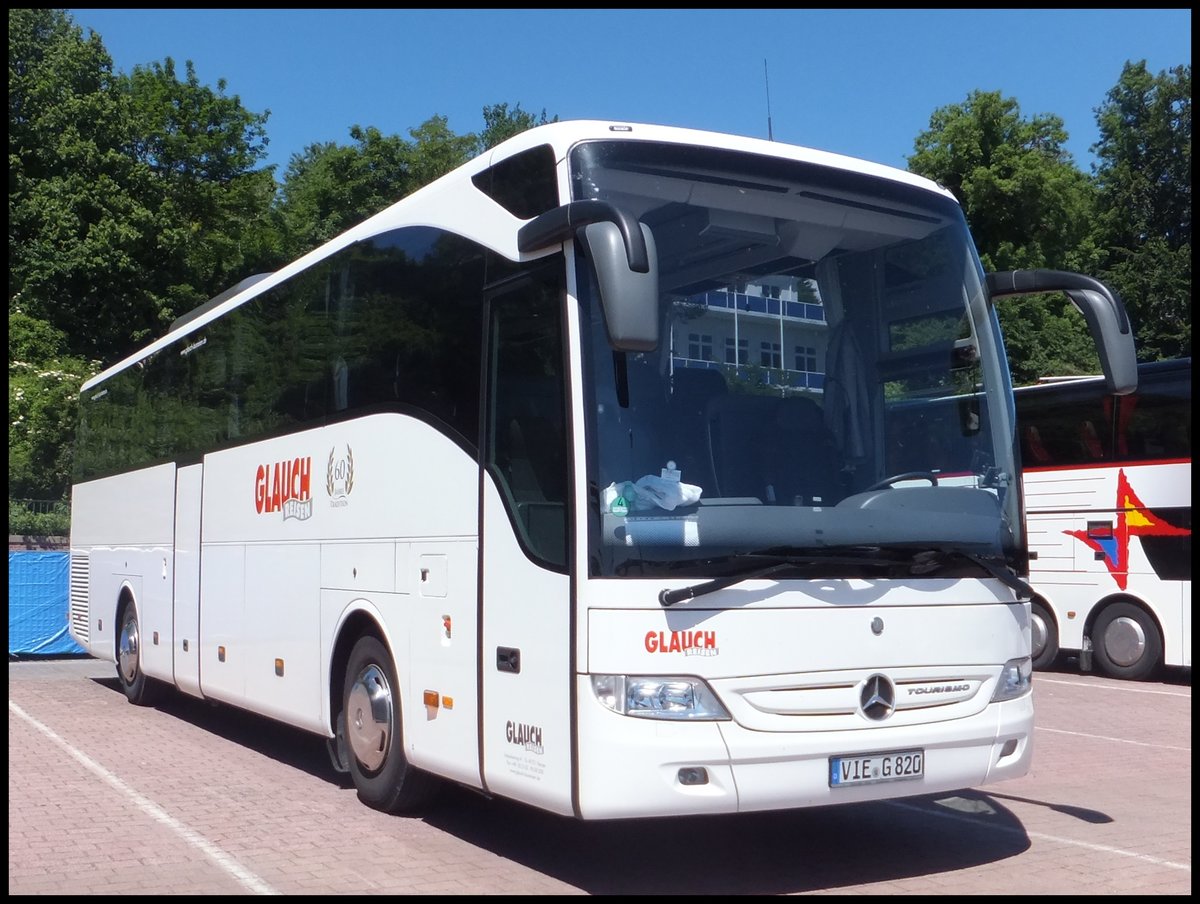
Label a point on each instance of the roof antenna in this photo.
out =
(766, 81)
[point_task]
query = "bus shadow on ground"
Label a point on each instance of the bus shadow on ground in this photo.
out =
(785, 852)
(291, 746)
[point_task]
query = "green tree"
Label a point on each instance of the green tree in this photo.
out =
(500, 123)
(329, 188)
(1144, 175)
(43, 394)
(196, 150)
(1028, 206)
(435, 151)
(66, 161)
(131, 198)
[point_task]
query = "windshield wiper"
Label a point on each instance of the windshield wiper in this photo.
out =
(771, 563)
(932, 560)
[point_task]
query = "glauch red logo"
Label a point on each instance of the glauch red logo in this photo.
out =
(285, 486)
(689, 643)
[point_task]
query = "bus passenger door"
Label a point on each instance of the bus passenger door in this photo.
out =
(525, 600)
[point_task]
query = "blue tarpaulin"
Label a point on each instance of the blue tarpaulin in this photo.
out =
(38, 604)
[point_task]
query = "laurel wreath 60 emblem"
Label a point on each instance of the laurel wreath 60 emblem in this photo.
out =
(339, 474)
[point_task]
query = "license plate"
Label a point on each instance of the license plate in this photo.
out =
(897, 766)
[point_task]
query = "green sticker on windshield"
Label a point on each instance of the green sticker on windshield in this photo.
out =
(619, 506)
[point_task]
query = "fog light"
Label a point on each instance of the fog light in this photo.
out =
(1009, 748)
(693, 775)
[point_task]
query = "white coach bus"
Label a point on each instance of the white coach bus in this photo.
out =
(563, 479)
(1108, 500)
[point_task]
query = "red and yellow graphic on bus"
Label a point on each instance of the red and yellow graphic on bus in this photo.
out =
(285, 486)
(1133, 520)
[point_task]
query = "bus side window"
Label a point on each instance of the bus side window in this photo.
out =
(527, 448)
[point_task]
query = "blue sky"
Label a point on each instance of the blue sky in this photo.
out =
(860, 82)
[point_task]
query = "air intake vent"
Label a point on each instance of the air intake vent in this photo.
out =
(79, 596)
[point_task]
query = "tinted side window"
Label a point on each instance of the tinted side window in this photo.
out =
(392, 323)
(1156, 421)
(527, 449)
(1065, 425)
(524, 184)
(407, 323)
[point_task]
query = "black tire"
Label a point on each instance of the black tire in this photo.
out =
(1126, 642)
(140, 689)
(1045, 636)
(371, 725)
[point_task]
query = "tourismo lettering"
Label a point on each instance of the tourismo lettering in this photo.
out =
(690, 643)
(286, 487)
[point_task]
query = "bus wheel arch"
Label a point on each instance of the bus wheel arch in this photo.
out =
(1044, 634)
(1127, 641)
(139, 688)
(369, 727)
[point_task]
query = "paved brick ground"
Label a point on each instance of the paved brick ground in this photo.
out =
(108, 798)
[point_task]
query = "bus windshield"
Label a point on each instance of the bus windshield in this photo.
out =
(828, 378)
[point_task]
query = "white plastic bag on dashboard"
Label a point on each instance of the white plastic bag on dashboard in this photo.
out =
(649, 493)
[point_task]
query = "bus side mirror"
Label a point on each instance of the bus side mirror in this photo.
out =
(629, 298)
(624, 258)
(1101, 308)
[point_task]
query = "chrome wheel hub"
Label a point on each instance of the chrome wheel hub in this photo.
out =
(127, 650)
(1038, 630)
(1124, 641)
(369, 717)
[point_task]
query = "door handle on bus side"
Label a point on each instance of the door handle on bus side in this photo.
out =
(508, 659)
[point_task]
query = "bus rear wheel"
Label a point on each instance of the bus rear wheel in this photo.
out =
(1126, 642)
(371, 725)
(139, 688)
(1045, 636)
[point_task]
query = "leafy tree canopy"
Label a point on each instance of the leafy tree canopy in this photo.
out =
(131, 198)
(330, 187)
(43, 394)
(1144, 222)
(1028, 206)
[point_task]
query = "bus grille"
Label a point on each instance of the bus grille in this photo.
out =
(79, 596)
(836, 701)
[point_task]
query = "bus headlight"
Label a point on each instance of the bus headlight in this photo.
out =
(1015, 679)
(659, 697)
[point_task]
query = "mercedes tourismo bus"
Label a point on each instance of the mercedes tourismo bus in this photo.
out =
(563, 479)
(1108, 500)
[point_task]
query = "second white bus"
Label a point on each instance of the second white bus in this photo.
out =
(1108, 498)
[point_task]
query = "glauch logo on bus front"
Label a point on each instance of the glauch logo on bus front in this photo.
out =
(286, 487)
(1133, 520)
(689, 643)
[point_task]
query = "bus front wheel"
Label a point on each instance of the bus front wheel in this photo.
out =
(1045, 636)
(1126, 642)
(371, 725)
(139, 688)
